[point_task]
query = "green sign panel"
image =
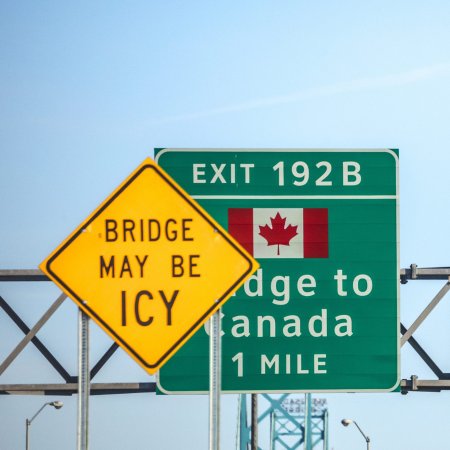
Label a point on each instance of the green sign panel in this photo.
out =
(321, 314)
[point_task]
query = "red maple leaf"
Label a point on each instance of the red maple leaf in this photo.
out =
(278, 234)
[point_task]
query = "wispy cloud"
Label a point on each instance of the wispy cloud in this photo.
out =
(361, 84)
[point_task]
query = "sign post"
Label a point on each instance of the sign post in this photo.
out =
(215, 375)
(83, 382)
(321, 313)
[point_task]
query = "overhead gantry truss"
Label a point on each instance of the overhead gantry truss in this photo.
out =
(69, 384)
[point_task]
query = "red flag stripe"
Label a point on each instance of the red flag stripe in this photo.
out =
(315, 234)
(240, 226)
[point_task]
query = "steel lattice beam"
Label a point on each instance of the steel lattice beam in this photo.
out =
(70, 387)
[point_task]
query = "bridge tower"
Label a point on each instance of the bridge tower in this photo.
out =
(295, 423)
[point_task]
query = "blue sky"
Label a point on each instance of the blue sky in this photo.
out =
(88, 89)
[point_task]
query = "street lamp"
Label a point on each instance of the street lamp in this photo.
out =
(347, 422)
(56, 404)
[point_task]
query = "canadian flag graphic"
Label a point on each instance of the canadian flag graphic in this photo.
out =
(281, 232)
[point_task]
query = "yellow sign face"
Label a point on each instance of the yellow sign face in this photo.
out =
(149, 266)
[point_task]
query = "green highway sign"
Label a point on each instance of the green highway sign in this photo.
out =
(322, 312)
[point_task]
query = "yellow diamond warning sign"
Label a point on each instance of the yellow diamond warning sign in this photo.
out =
(149, 266)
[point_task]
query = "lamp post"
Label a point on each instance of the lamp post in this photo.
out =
(347, 422)
(57, 405)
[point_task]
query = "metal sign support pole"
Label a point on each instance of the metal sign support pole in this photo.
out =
(272, 430)
(83, 381)
(325, 430)
(27, 434)
(215, 376)
(308, 425)
(254, 439)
